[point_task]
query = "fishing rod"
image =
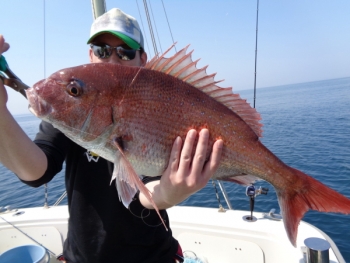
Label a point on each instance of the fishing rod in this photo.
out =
(98, 8)
(256, 48)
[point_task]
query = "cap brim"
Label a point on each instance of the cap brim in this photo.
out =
(129, 41)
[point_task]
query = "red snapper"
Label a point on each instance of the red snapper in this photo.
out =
(131, 117)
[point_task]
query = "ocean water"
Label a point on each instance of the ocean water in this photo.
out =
(306, 125)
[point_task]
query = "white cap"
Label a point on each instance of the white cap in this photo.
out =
(117, 23)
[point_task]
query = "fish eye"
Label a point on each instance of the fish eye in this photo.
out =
(74, 88)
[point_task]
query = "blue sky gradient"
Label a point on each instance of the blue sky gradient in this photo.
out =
(299, 41)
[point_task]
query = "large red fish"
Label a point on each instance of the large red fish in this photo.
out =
(131, 116)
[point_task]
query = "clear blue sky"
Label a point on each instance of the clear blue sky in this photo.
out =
(299, 41)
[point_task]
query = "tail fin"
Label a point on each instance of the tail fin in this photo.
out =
(313, 195)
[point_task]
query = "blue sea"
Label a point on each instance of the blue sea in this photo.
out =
(306, 125)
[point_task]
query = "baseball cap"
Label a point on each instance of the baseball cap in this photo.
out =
(117, 23)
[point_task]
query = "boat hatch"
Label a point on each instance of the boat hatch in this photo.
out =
(220, 249)
(48, 235)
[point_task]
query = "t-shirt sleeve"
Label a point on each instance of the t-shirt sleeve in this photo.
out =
(148, 179)
(55, 145)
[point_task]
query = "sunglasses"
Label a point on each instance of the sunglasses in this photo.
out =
(105, 51)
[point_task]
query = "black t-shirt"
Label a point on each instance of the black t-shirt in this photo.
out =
(101, 229)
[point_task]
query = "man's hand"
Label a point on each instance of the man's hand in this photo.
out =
(17, 151)
(3, 94)
(185, 175)
(3, 45)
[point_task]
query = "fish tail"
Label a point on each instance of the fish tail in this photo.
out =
(312, 194)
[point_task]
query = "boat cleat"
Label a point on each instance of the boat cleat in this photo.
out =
(271, 215)
(7, 209)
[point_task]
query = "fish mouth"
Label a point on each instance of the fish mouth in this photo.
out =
(37, 106)
(32, 110)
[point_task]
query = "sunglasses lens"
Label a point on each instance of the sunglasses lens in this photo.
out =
(105, 51)
(101, 51)
(126, 54)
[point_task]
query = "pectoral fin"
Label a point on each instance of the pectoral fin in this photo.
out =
(128, 182)
(126, 188)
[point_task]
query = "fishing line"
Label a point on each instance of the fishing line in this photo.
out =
(129, 208)
(256, 48)
(155, 26)
(143, 217)
(76, 129)
(135, 182)
(135, 77)
(150, 28)
(44, 39)
(143, 27)
(171, 33)
(128, 163)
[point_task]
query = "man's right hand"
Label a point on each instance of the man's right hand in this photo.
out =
(3, 45)
(3, 94)
(17, 151)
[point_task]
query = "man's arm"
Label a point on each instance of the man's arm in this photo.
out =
(17, 151)
(184, 175)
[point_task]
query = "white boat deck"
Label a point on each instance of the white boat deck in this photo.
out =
(227, 237)
(211, 235)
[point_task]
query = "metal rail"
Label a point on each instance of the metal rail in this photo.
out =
(224, 193)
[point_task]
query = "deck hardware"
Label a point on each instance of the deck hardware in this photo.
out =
(252, 192)
(7, 209)
(317, 250)
(249, 218)
(18, 213)
(271, 215)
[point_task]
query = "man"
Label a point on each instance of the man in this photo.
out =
(101, 229)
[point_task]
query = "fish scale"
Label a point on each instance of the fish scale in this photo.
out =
(131, 117)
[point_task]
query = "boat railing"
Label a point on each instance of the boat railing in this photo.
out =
(221, 185)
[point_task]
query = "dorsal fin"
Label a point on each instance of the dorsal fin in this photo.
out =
(183, 67)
